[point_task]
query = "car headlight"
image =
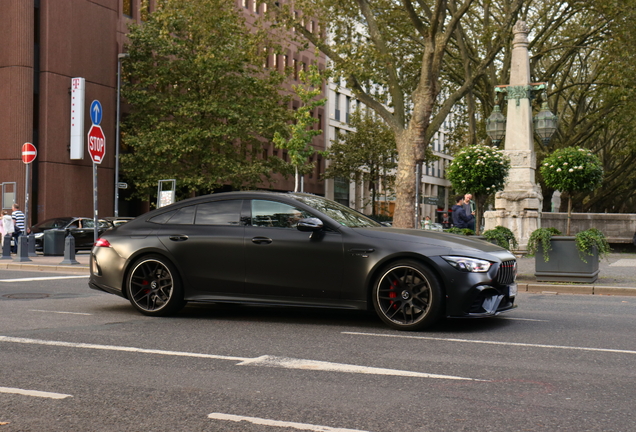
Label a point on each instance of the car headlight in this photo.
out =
(38, 235)
(473, 265)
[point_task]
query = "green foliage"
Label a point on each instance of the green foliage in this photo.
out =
(481, 171)
(572, 170)
(542, 237)
(588, 240)
(201, 105)
(478, 169)
(368, 154)
(502, 236)
(460, 231)
(297, 136)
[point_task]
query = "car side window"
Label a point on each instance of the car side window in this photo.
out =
(163, 217)
(219, 213)
(88, 223)
(276, 215)
(183, 216)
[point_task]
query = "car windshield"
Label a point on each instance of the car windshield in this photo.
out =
(340, 213)
(53, 223)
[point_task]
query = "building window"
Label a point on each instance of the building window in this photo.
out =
(276, 62)
(264, 7)
(128, 8)
(254, 7)
(341, 190)
(295, 66)
(347, 108)
(337, 102)
(245, 4)
(266, 58)
(312, 26)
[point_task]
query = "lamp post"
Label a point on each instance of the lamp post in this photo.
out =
(496, 125)
(120, 57)
(545, 123)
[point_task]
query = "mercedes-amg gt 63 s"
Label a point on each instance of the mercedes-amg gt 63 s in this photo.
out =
(295, 249)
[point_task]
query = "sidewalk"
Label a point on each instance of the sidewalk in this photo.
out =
(617, 274)
(48, 264)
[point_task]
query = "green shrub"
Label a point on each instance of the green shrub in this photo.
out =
(501, 236)
(541, 236)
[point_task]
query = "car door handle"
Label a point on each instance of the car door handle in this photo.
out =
(178, 237)
(261, 240)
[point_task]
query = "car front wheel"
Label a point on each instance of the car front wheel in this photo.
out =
(154, 287)
(408, 296)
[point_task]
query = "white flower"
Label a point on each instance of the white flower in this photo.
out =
(558, 169)
(487, 188)
(545, 164)
(463, 181)
(551, 166)
(565, 163)
(571, 170)
(493, 185)
(580, 167)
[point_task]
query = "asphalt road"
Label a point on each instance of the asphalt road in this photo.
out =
(73, 359)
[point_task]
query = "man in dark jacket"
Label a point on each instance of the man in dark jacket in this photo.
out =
(460, 218)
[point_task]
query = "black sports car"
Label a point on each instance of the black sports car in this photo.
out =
(299, 249)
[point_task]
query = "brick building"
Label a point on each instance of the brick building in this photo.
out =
(45, 43)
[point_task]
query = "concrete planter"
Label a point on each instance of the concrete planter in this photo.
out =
(565, 264)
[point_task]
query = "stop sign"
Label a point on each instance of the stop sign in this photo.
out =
(29, 152)
(96, 143)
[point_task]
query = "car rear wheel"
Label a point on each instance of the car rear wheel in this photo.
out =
(154, 287)
(408, 296)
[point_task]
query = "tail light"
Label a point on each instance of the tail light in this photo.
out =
(102, 242)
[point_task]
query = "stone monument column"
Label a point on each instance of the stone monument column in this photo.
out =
(518, 206)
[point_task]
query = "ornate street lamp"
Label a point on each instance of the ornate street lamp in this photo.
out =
(545, 123)
(496, 125)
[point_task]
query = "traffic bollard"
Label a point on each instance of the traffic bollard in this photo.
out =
(69, 251)
(23, 250)
(31, 238)
(6, 247)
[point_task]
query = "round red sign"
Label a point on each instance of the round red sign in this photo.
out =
(96, 144)
(29, 152)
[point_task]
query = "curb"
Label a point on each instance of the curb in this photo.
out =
(537, 288)
(78, 268)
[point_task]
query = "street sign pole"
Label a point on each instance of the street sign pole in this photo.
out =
(95, 231)
(29, 153)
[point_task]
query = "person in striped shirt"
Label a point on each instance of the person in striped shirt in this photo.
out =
(19, 225)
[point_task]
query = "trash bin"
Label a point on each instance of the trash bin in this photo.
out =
(53, 242)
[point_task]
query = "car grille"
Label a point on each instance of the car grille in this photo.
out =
(507, 272)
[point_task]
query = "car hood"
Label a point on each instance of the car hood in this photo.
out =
(453, 242)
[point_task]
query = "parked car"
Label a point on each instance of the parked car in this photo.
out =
(251, 248)
(81, 228)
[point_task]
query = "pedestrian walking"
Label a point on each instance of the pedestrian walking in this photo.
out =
(19, 221)
(6, 225)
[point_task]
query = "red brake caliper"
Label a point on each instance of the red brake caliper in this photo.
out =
(146, 290)
(393, 294)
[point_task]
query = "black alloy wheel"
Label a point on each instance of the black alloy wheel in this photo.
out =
(408, 296)
(154, 287)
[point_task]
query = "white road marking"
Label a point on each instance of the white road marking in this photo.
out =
(34, 393)
(291, 363)
(608, 350)
(59, 312)
(277, 423)
(268, 361)
(44, 278)
(522, 319)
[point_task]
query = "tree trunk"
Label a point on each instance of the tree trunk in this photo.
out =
(404, 215)
(569, 214)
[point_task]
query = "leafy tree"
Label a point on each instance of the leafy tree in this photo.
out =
(572, 170)
(300, 133)
(201, 104)
(367, 154)
(391, 55)
(481, 171)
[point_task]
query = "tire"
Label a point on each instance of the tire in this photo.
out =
(154, 287)
(408, 296)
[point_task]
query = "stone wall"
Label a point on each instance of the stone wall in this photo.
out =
(617, 227)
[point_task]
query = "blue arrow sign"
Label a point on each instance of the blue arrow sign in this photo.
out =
(96, 112)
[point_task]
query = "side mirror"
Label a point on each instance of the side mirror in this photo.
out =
(310, 224)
